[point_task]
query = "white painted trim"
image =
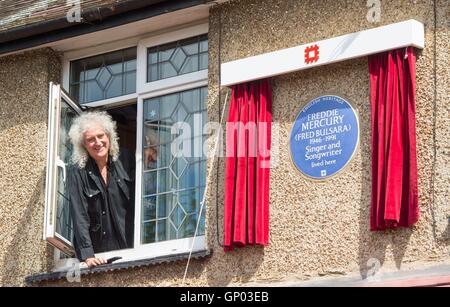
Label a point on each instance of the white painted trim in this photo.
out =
(158, 249)
(56, 94)
(341, 48)
(92, 51)
(139, 168)
(65, 73)
(48, 227)
(113, 102)
(101, 49)
(155, 38)
(145, 252)
(175, 84)
(174, 36)
(160, 87)
(141, 83)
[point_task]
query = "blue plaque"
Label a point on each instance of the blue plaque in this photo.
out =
(324, 137)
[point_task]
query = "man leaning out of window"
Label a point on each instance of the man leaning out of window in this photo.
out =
(101, 188)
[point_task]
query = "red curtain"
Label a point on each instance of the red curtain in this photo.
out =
(394, 161)
(246, 212)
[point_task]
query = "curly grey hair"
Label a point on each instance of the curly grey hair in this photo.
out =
(83, 123)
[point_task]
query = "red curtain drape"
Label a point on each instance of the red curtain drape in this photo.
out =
(248, 140)
(394, 161)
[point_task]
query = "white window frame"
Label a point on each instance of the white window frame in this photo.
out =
(165, 86)
(145, 90)
(53, 162)
(85, 53)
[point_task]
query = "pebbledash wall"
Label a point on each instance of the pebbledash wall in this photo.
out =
(316, 228)
(24, 82)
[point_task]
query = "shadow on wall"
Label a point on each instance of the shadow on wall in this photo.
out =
(446, 235)
(238, 266)
(373, 245)
(27, 253)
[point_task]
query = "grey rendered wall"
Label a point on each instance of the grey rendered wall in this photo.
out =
(24, 82)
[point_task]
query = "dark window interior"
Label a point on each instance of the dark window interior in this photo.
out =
(125, 118)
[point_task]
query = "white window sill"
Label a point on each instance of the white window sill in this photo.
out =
(66, 274)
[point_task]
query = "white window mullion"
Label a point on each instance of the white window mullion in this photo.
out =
(141, 68)
(139, 168)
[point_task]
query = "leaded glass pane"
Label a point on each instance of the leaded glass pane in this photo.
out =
(78, 92)
(103, 76)
(116, 68)
(190, 177)
(190, 49)
(190, 65)
(177, 216)
(203, 61)
(152, 73)
(189, 200)
(174, 59)
(162, 230)
(148, 232)
(93, 91)
(64, 225)
(152, 56)
(166, 181)
(165, 203)
(150, 182)
(149, 209)
(178, 58)
(168, 105)
(204, 45)
(77, 73)
(92, 73)
(188, 227)
(165, 55)
(166, 70)
(164, 155)
(192, 99)
(114, 88)
(175, 180)
(113, 61)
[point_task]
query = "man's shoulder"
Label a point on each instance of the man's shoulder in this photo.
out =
(75, 172)
(71, 167)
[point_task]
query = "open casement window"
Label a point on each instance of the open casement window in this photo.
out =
(58, 228)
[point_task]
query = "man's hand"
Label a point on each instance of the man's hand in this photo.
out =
(91, 262)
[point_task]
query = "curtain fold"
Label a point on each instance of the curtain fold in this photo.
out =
(248, 140)
(394, 159)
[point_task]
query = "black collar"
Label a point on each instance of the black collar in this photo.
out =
(93, 172)
(113, 166)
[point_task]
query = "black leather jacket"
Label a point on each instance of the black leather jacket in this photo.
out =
(103, 215)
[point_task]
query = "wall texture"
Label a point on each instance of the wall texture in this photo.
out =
(322, 229)
(316, 229)
(24, 82)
